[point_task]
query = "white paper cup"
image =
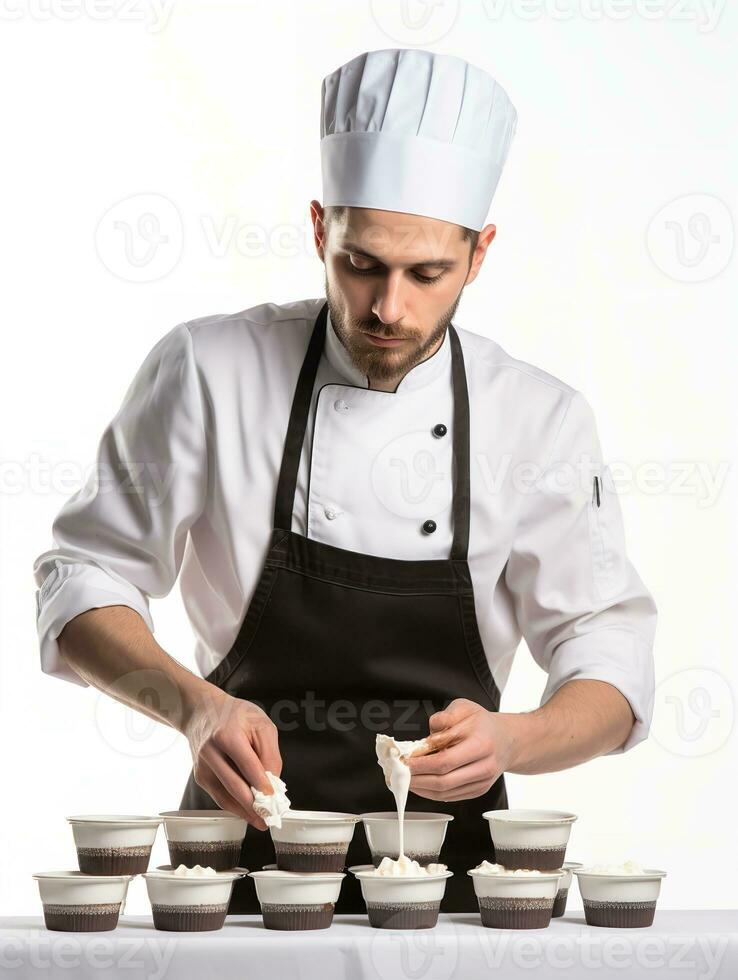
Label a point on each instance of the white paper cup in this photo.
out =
(313, 840)
(402, 902)
(297, 900)
(424, 835)
(530, 839)
(564, 886)
(621, 901)
(210, 838)
(190, 904)
(76, 902)
(113, 845)
(516, 901)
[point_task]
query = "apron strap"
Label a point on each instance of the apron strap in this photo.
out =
(297, 428)
(461, 464)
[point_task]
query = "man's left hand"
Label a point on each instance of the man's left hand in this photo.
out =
(469, 748)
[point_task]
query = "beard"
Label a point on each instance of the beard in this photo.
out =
(385, 363)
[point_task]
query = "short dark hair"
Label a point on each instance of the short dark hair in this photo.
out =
(334, 212)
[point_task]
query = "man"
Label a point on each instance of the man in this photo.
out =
(347, 560)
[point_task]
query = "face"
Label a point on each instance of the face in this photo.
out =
(393, 282)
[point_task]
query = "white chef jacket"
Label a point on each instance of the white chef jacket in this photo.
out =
(187, 471)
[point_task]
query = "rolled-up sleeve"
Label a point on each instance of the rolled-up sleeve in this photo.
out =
(120, 539)
(582, 608)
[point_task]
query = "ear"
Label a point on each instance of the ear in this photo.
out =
(486, 237)
(317, 218)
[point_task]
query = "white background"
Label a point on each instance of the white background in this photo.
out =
(625, 109)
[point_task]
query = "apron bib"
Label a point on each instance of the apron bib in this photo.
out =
(337, 646)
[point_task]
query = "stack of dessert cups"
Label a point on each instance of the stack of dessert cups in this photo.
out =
(530, 881)
(192, 893)
(301, 889)
(111, 851)
(412, 898)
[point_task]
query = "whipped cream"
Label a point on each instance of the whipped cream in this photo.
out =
(485, 868)
(271, 806)
(405, 866)
(397, 773)
(182, 871)
(626, 868)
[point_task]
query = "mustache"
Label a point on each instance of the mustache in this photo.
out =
(382, 332)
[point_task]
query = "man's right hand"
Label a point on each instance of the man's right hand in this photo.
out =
(232, 742)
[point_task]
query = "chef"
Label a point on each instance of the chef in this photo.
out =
(366, 505)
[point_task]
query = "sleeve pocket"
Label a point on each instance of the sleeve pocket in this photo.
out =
(606, 537)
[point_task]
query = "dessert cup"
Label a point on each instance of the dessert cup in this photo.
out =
(564, 886)
(77, 902)
(297, 900)
(624, 901)
(402, 901)
(113, 845)
(530, 839)
(190, 903)
(313, 840)
(210, 838)
(424, 835)
(516, 899)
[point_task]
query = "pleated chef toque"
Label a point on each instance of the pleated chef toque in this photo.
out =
(403, 129)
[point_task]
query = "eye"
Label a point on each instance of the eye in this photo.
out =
(425, 280)
(428, 279)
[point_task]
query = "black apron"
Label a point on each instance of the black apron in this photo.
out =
(337, 646)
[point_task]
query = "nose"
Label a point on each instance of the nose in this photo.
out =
(389, 302)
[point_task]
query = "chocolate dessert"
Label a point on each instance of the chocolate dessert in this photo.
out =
(430, 858)
(559, 906)
(537, 858)
(100, 917)
(403, 915)
(220, 855)
(189, 918)
(619, 915)
(515, 913)
(294, 916)
(114, 860)
(293, 856)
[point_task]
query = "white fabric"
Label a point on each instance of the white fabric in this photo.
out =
(688, 944)
(187, 479)
(414, 131)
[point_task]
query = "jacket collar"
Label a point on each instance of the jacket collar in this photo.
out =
(417, 377)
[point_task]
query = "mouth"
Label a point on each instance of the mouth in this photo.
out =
(379, 341)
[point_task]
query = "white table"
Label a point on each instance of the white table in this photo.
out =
(680, 944)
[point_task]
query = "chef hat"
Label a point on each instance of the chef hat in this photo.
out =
(414, 131)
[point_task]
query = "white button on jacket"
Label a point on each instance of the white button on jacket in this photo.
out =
(190, 465)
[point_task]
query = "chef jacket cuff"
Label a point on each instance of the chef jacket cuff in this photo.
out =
(619, 656)
(68, 590)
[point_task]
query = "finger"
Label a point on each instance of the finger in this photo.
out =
(438, 763)
(448, 736)
(266, 745)
(232, 781)
(212, 785)
(235, 745)
(468, 792)
(450, 782)
(453, 712)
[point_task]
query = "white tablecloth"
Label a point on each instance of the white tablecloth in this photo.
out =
(680, 944)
